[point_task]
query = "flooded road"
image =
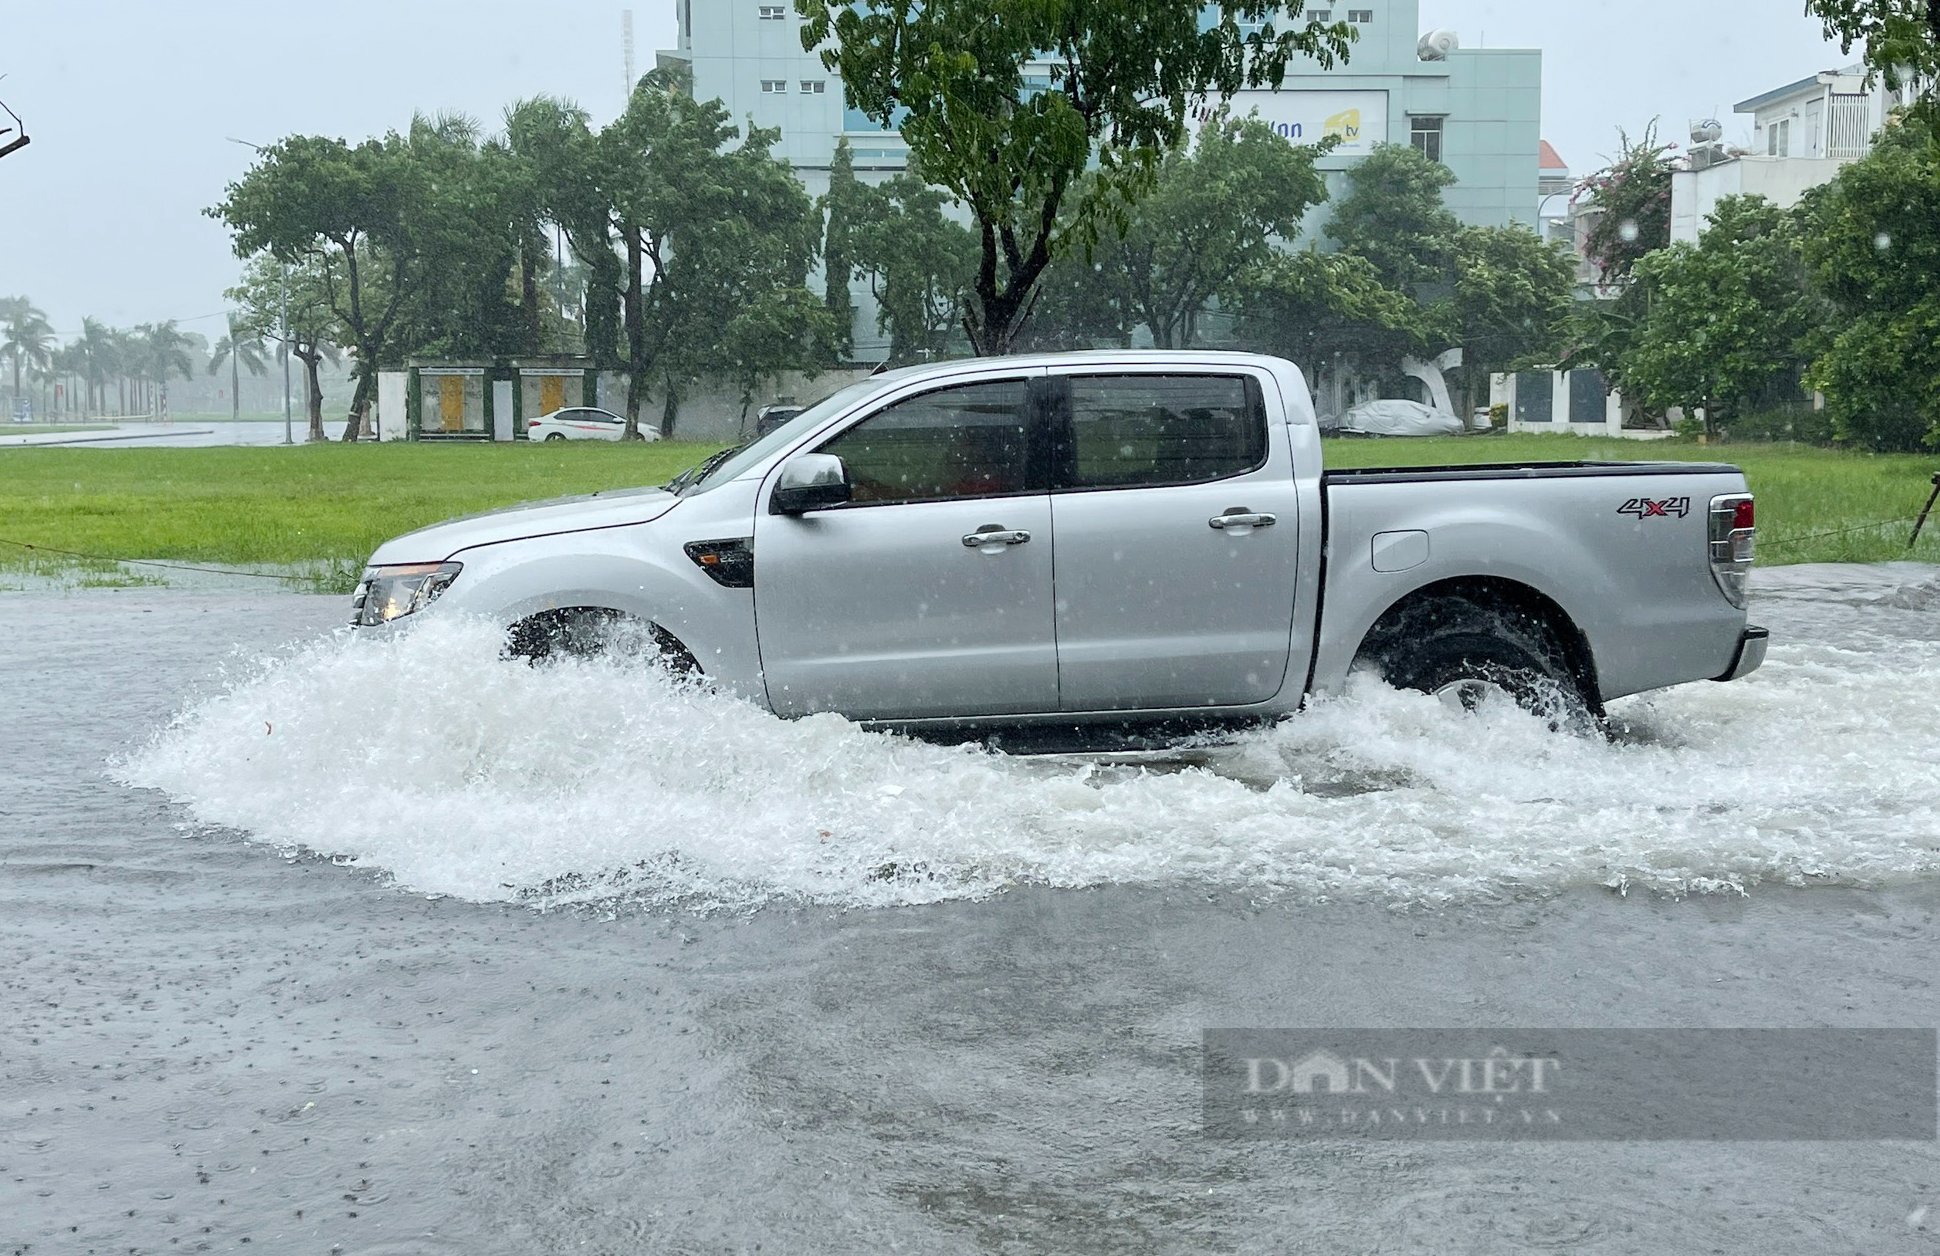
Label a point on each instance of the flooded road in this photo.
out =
(408, 951)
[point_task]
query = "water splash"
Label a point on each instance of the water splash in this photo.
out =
(461, 774)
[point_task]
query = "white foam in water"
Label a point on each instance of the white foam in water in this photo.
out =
(461, 774)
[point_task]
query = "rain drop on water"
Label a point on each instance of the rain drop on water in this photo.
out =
(1882, 241)
(1628, 232)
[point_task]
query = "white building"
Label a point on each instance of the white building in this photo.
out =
(1802, 134)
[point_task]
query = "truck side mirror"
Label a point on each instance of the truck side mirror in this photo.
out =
(810, 482)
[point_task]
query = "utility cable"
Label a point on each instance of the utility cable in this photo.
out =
(148, 562)
(1781, 542)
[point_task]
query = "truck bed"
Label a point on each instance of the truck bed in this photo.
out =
(1519, 471)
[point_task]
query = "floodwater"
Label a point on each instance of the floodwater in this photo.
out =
(397, 948)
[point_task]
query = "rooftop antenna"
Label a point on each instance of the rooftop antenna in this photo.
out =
(626, 46)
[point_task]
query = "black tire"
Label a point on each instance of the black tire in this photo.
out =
(635, 436)
(1465, 652)
(555, 436)
(586, 632)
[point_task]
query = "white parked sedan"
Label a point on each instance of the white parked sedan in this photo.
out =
(583, 423)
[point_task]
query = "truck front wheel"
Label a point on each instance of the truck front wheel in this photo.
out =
(597, 631)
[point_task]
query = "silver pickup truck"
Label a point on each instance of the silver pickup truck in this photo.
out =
(1113, 537)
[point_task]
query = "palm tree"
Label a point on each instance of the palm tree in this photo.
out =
(100, 359)
(243, 346)
(26, 339)
(70, 363)
(128, 351)
(165, 352)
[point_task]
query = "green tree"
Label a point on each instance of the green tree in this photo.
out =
(951, 76)
(1214, 212)
(918, 261)
(26, 339)
(346, 209)
(242, 349)
(707, 230)
(1318, 308)
(841, 205)
(1902, 39)
(1872, 241)
(1631, 201)
(1726, 321)
(1082, 303)
(553, 139)
(785, 328)
(266, 291)
(469, 246)
(1512, 301)
(1393, 216)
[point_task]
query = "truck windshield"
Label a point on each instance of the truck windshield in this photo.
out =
(726, 465)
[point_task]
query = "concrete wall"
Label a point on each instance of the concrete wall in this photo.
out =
(390, 418)
(1781, 180)
(1575, 402)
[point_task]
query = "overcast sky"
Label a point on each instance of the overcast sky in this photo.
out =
(130, 105)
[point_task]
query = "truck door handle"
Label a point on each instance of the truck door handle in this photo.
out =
(994, 534)
(1243, 519)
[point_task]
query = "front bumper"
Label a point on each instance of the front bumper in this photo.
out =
(1752, 643)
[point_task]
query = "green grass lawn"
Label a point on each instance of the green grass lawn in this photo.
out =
(321, 507)
(324, 508)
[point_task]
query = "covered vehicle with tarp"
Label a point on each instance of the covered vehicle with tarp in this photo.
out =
(1394, 418)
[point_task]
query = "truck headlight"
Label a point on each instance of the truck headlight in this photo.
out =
(388, 593)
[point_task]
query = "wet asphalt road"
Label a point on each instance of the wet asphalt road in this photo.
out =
(209, 1046)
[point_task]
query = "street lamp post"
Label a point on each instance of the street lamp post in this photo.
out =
(284, 315)
(288, 439)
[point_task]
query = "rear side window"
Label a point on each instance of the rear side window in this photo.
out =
(1132, 431)
(955, 442)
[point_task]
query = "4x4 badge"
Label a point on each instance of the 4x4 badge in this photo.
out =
(1646, 508)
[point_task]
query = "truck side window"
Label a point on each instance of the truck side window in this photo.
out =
(1131, 431)
(967, 441)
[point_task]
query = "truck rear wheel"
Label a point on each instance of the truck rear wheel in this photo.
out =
(1470, 656)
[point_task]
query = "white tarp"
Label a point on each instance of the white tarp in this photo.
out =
(1399, 418)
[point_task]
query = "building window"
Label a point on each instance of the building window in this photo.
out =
(775, 87)
(814, 87)
(1320, 15)
(1425, 134)
(773, 12)
(1360, 17)
(1778, 139)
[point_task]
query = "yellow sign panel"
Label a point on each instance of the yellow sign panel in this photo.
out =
(451, 403)
(1346, 124)
(552, 393)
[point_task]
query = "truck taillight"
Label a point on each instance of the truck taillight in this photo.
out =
(1733, 544)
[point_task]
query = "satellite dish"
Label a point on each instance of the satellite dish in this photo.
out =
(1709, 131)
(1436, 45)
